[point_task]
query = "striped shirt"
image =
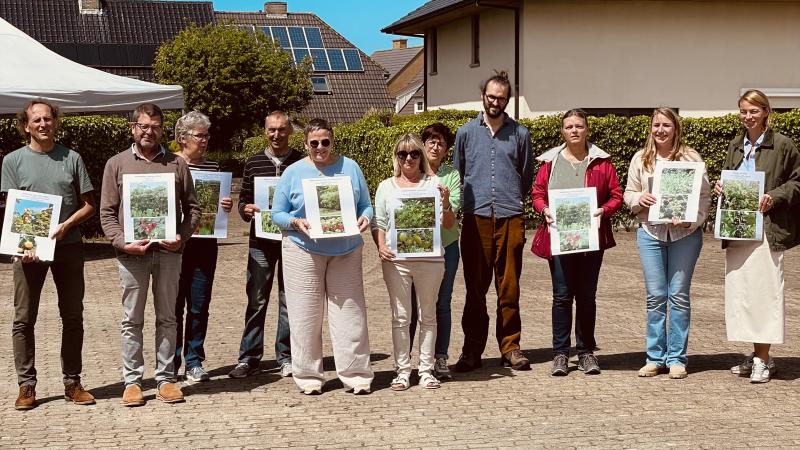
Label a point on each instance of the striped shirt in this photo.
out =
(205, 166)
(260, 165)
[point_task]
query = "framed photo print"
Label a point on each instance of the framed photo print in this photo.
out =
(738, 217)
(330, 207)
(415, 224)
(264, 189)
(676, 187)
(149, 210)
(30, 219)
(574, 228)
(210, 188)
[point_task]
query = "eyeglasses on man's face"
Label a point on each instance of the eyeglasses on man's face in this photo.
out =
(494, 99)
(146, 127)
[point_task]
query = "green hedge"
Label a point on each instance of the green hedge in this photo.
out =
(370, 141)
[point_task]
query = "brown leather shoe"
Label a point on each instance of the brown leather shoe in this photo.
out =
(133, 395)
(77, 394)
(516, 360)
(26, 399)
(169, 393)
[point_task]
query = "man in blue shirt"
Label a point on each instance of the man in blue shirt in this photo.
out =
(493, 156)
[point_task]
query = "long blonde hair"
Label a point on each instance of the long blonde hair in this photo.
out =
(678, 147)
(410, 142)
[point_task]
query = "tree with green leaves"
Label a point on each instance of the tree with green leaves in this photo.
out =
(234, 76)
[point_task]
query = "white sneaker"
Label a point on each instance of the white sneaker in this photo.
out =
(286, 369)
(760, 371)
(440, 369)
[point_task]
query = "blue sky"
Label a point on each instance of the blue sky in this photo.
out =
(360, 21)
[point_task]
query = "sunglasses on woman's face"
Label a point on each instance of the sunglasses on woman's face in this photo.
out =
(414, 154)
(322, 143)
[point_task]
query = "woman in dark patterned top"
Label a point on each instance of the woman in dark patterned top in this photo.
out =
(199, 257)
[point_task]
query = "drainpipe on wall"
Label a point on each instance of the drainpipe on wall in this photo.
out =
(516, 10)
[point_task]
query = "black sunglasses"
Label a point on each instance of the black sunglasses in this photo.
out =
(322, 143)
(414, 154)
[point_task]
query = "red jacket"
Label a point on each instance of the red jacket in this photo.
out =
(600, 174)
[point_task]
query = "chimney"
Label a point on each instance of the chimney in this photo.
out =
(399, 43)
(275, 8)
(90, 6)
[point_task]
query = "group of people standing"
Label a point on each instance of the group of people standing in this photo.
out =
(491, 176)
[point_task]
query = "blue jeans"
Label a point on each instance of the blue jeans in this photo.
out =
(194, 297)
(263, 259)
(444, 319)
(668, 269)
(575, 277)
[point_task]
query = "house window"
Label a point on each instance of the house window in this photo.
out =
(320, 84)
(419, 107)
(431, 41)
(475, 61)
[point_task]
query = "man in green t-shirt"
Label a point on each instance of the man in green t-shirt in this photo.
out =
(46, 167)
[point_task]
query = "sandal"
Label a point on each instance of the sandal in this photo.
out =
(428, 381)
(401, 382)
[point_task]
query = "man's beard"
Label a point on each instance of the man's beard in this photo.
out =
(493, 111)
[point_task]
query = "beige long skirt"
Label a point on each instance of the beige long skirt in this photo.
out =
(754, 310)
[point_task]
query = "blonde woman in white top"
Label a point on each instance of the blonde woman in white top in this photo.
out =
(668, 251)
(410, 171)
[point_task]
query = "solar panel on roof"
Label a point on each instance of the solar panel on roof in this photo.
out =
(314, 37)
(353, 59)
(281, 36)
(297, 37)
(337, 61)
(319, 59)
(266, 31)
(299, 54)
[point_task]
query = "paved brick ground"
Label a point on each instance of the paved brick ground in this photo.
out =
(492, 407)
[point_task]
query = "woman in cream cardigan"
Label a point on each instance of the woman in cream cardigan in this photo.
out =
(668, 251)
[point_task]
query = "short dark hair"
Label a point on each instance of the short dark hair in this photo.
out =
(317, 124)
(278, 113)
(150, 109)
(441, 130)
(501, 77)
(22, 116)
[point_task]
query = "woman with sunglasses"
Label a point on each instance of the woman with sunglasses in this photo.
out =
(576, 163)
(322, 274)
(754, 282)
(199, 261)
(410, 172)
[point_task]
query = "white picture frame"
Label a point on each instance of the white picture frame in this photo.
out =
(211, 187)
(574, 227)
(263, 191)
(676, 187)
(149, 210)
(30, 219)
(738, 217)
(336, 216)
(415, 220)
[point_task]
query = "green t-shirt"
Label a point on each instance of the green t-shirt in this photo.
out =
(58, 172)
(450, 178)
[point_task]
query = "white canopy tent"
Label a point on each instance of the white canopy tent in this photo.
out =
(30, 70)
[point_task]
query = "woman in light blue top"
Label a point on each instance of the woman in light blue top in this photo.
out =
(324, 271)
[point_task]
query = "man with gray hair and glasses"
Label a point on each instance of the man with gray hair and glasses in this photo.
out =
(141, 260)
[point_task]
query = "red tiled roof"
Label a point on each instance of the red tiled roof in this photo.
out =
(394, 59)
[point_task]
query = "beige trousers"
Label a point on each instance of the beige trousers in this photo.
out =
(313, 283)
(426, 277)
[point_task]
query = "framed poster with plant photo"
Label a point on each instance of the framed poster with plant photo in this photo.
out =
(676, 187)
(330, 207)
(149, 210)
(211, 187)
(738, 217)
(264, 189)
(30, 219)
(574, 228)
(415, 224)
